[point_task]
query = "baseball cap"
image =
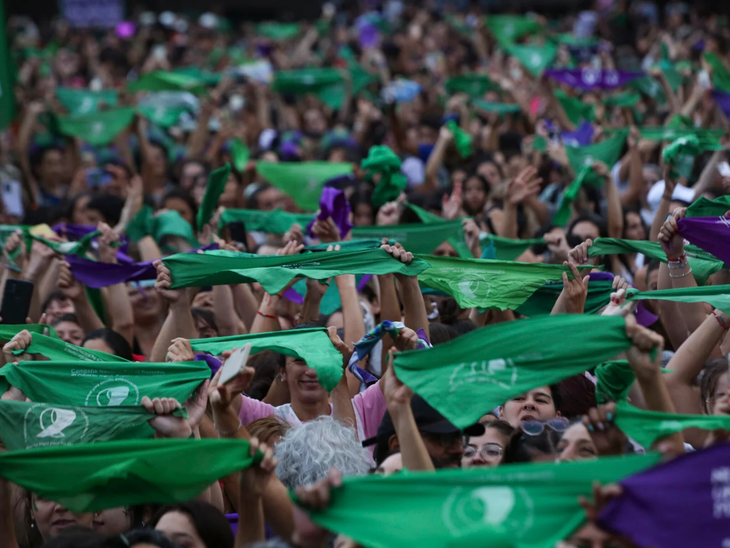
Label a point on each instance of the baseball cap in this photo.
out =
(428, 421)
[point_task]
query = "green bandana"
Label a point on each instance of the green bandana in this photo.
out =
(716, 295)
(463, 142)
(349, 245)
(703, 264)
(165, 117)
(167, 81)
(103, 384)
(26, 425)
(383, 161)
(570, 39)
(303, 181)
(720, 75)
(7, 332)
(482, 283)
(213, 191)
(626, 99)
(270, 222)
(416, 238)
(81, 101)
(704, 207)
(54, 348)
(607, 151)
(457, 240)
(510, 28)
(531, 505)
(506, 249)
(239, 154)
(92, 477)
(565, 207)
(325, 83)
(465, 378)
(209, 78)
(278, 31)
(646, 427)
(161, 226)
(575, 109)
(614, 380)
(535, 58)
(500, 108)
(474, 85)
(311, 345)
(275, 272)
(99, 128)
(542, 301)
(664, 133)
(79, 248)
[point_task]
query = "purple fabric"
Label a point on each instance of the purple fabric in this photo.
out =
(582, 136)
(233, 521)
(709, 233)
(685, 502)
(643, 316)
(292, 296)
(333, 203)
(590, 78)
(72, 231)
(600, 276)
(214, 363)
(364, 281)
(368, 35)
(723, 101)
(422, 335)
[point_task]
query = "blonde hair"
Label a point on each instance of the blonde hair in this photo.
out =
(267, 428)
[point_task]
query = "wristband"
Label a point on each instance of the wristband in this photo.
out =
(681, 259)
(720, 320)
(228, 432)
(265, 315)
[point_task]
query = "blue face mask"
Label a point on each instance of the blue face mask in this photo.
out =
(424, 151)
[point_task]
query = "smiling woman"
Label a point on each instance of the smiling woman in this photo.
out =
(45, 520)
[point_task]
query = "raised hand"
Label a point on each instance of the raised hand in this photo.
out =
(255, 479)
(672, 242)
(70, 286)
(617, 305)
(165, 424)
(221, 395)
(526, 184)
(471, 234)
(15, 245)
(163, 283)
(575, 290)
(326, 231)
(290, 248)
(452, 204)
(579, 254)
(180, 351)
(397, 395)
(606, 436)
(407, 339)
(645, 343)
(108, 242)
(21, 341)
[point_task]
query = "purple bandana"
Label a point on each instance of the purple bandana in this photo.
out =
(723, 101)
(590, 78)
(333, 203)
(677, 504)
(72, 231)
(213, 362)
(642, 315)
(709, 233)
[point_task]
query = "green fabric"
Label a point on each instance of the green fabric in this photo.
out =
(469, 376)
(303, 181)
(651, 87)
(384, 162)
(575, 109)
(99, 128)
(565, 207)
(457, 240)
(622, 100)
(79, 248)
(7, 332)
(311, 345)
(507, 249)
(84, 101)
(500, 108)
(92, 477)
(209, 78)
(614, 380)
(474, 85)
(607, 151)
(663, 133)
(160, 226)
(26, 425)
(716, 295)
(276, 31)
(349, 245)
(359, 77)
(646, 427)
(510, 28)
(275, 272)
(240, 154)
(165, 117)
(531, 505)
(483, 283)
(8, 75)
(54, 348)
(167, 81)
(703, 264)
(103, 384)
(270, 222)
(704, 207)
(535, 58)
(720, 75)
(463, 142)
(325, 83)
(416, 238)
(213, 190)
(541, 302)
(570, 39)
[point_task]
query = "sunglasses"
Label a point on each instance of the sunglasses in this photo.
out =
(535, 428)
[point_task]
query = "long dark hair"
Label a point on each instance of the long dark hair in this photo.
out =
(211, 525)
(114, 340)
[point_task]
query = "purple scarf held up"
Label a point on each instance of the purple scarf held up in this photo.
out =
(723, 101)
(589, 78)
(333, 203)
(695, 487)
(709, 233)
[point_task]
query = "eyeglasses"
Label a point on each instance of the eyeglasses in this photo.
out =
(488, 451)
(535, 428)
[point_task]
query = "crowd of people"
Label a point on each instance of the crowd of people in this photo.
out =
(471, 251)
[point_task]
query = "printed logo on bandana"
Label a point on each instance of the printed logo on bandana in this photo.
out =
(487, 371)
(610, 78)
(312, 184)
(46, 425)
(466, 511)
(86, 105)
(97, 128)
(535, 59)
(470, 288)
(590, 76)
(509, 29)
(112, 393)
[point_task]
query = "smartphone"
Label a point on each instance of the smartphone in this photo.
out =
(724, 169)
(96, 177)
(235, 364)
(16, 301)
(237, 230)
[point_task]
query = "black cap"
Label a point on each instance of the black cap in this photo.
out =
(428, 421)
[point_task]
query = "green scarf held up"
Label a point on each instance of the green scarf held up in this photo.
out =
(565, 207)
(463, 142)
(613, 381)
(575, 109)
(665, 133)
(703, 264)
(165, 117)
(276, 31)
(716, 295)
(625, 99)
(269, 222)
(383, 161)
(531, 505)
(607, 151)
(162, 80)
(499, 108)
(311, 345)
(466, 378)
(417, 238)
(303, 181)
(507, 249)
(103, 384)
(646, 427)
(503, 285)
(457, 240)
(7, 332)
(324, 83)
(98, 128)
(93, 477)
(160, 227)
(535, 58)
(474, 85)
(684, 146)
(704, 207)
(720, 75)
(27, 425)
(240, 154)
(79, 248)
(53, 348)
(508, 29)
(349, 245)
(83, 101)
(213, 191)
(542, 301)
(274, 272)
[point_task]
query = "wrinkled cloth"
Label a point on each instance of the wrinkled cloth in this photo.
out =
(333, 203)
(384, 162)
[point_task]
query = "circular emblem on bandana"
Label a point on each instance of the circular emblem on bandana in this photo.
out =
(47, 425)
(113, 392)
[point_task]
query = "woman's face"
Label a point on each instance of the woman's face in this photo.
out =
(99, 345)
(491, 444)
(490, 172)
(179, 527)
(205, 331)
(181, 206)
(445, 250)
(230, 193)
(79, 215)
(719, 403)
(585, 230)
(51, 518)
(113, 521)
(474, 196)
(189, 174)
(146, 307)
(576, 444)
(57, 308)
(302, 381)
(70, 332)
(634, 229)
(363, 215)
(157, 161)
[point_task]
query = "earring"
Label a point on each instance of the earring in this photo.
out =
(281, 378)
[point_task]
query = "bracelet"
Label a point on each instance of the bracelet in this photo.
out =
(720, 320)
(228, 432)
(676, 266)
(265, 315)
(681, 258)
(682, 275)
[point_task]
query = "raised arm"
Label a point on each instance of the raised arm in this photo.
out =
(414, 310)
(74, 290)
(179, 321)
(121, 318)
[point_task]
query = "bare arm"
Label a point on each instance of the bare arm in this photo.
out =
(225, 314)
(709, 174)
(179, 321)
(7, 528)
(245, 303)
(354, 322)
(75, 291)
(389, 307)
(663, 208)
(266, 319)
(436, 158)
(615, 213)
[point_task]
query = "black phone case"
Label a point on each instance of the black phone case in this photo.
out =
(16, 301)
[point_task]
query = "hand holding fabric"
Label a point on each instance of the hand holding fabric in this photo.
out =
(471, 234)
(180, 351)
(618, 307)
(407, 339)
(255, 479)
(108, 241)
(575, 291)
(163, 283)
(672, 242)
(452, 203)
(294, 234)
(388, 214)
(164, 423)
(21, 341)
(70, 286)
(607, 437)
(315, 496)
(14, 249)
(399, 253)
(340, 345)
(326, 231)
(645, 355)
(579, 254)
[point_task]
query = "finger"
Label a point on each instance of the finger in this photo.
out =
(254, 446)
(147, 404)
(157, 404)
(574, 271)
(586, 279)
